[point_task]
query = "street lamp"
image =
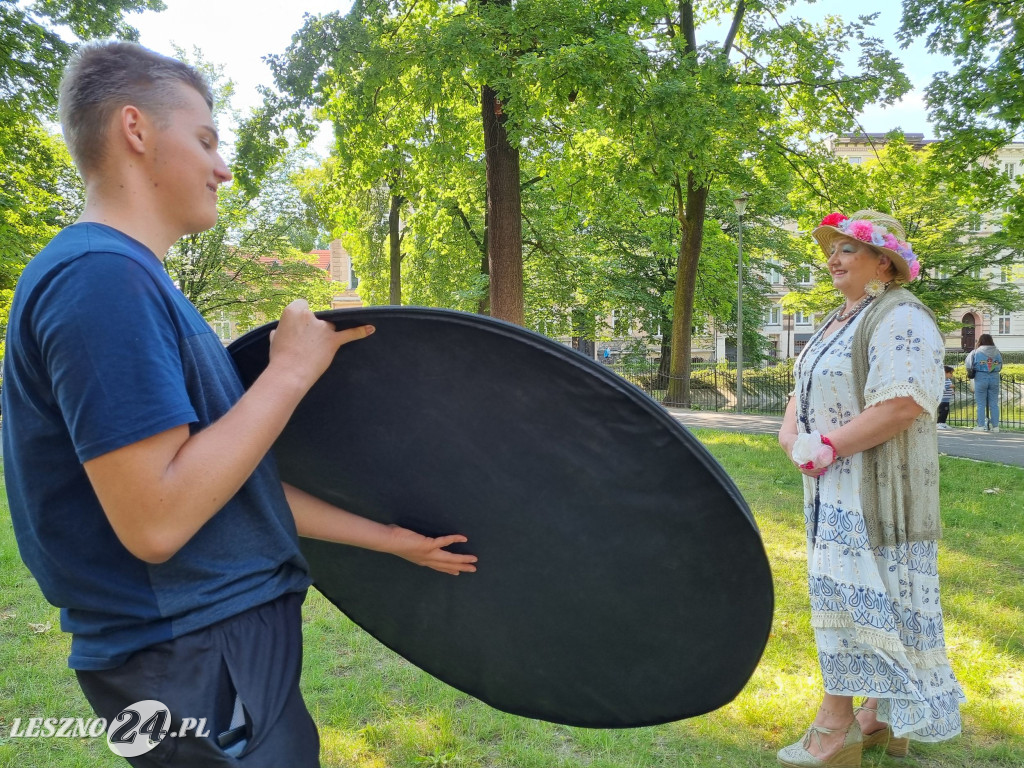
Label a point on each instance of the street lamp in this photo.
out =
(741, 205)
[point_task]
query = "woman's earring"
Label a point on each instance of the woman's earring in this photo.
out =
(875, 288)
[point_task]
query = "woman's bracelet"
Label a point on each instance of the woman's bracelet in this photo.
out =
(813, 451)
(826, 441)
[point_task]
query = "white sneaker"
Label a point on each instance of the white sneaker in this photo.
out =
(980, 429)
(995, 429)
(942, 426)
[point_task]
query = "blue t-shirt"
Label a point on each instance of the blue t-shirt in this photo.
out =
(103, 350)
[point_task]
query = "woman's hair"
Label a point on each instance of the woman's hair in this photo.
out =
(985, 340)
(104, 77)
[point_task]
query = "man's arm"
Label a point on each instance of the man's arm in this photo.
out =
(316, 519)
(159, 491)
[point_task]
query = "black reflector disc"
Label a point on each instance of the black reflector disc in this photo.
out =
(622, 580)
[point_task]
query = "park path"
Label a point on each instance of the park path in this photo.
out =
(1001, 448)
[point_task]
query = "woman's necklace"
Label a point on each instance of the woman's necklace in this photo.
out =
(872, 291)
(842, 317)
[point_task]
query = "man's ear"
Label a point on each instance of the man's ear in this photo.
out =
(133, 128)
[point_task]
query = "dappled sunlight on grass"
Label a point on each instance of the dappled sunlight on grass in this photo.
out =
(340, 747)
(376, 710)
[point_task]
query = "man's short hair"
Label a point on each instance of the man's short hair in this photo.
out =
(104, 77)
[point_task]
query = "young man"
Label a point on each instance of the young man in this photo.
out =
(141, 490)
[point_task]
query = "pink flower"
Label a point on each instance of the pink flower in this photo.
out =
(915, 269)
(833, 219)
(860, 229)
(891, 242)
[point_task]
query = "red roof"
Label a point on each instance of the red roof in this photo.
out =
(323, 259)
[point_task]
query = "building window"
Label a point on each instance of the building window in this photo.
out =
(773, 315)
(803, 275)
(553, 325)
(1011, 169)
(774, 274)
(855, 160)
(620, 324)
(802, 318)
(1004, 322)
(222, 326)
(1006, 273)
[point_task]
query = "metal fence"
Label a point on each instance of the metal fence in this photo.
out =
(962, 413)
(766, 390)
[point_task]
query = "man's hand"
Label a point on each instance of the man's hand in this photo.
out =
(423, 550)
(305, 345)
(317, 519)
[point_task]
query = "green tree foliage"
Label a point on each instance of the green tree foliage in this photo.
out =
(632, 135)
(984, 95)
(977, 107)
(939, 206)
(449, 105)
(736, 98)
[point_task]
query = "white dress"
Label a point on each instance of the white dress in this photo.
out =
(875, 611)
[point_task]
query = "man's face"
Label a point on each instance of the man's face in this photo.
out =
(185, 167)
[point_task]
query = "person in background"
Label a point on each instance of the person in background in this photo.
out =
(947, 399)
(986, 361)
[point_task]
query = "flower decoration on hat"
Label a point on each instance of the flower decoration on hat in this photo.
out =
(877, 235)
(834, 220)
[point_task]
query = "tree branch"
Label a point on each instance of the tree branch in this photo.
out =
(734, 28)
(457, 209)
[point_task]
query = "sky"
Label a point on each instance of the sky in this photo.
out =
(238, 33)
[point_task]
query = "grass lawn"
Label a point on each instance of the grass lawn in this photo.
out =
(376, 710)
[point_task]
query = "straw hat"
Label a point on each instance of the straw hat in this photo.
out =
(879, 230)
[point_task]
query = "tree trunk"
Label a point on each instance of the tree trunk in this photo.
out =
(691, 217)
(663, 377)
(504, 214)
(395, 247)
(484, 307)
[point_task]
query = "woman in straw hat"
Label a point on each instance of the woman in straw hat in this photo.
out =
(861, 428)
